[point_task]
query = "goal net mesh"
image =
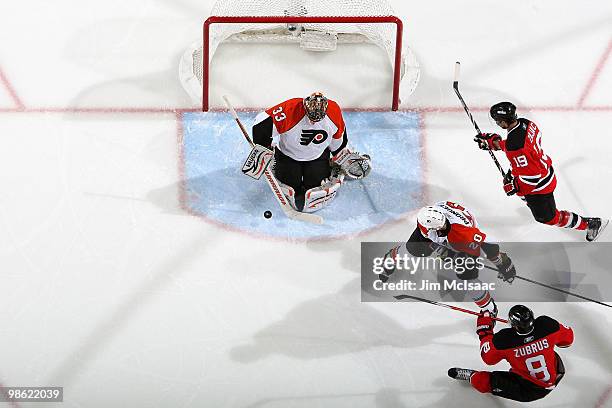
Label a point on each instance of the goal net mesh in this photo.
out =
(310, 36)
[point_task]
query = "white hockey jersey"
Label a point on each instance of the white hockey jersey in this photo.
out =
(301, 139)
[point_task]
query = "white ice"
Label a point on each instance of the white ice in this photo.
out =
(112, 291)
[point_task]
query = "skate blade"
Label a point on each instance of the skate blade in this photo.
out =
(604, 224)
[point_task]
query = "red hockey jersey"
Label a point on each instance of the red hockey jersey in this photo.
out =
(531, 167)
(531, 355)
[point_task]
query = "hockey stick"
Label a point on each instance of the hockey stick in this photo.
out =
(272, 182)
(465, 107)
(433, 302)
(552, 287)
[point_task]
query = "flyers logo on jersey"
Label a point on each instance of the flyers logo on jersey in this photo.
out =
(316, 136)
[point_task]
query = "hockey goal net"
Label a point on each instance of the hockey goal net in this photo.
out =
(314, 25)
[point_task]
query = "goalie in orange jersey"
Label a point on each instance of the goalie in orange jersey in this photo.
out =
(311, 133)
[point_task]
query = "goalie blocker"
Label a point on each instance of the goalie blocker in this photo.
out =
(312, 140)
(258, 161)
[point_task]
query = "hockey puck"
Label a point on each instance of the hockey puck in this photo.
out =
(268, 214)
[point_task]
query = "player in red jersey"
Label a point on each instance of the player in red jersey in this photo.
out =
(532, 175)
(310, 131)
(529, 347)
(449, 230)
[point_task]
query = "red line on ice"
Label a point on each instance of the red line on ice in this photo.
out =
(416, 109)
(595, 74)
(604, 397)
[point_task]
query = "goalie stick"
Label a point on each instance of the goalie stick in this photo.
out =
(433, 302)
(271, 180)
(465, 107)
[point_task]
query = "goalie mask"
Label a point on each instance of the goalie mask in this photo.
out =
(316, 106)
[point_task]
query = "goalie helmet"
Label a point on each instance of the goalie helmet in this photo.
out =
(521, 319)
(505, 111)
(316, 106)
(431, 218)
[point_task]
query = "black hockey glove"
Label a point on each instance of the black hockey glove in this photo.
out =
(506, 269)
(485, 140)
(510, 186)
(484, 325)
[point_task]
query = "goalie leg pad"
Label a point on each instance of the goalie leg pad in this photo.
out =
(289, 193)
(318, 197)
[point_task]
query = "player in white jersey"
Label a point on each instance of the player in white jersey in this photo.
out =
(449, 230)
(310, 132)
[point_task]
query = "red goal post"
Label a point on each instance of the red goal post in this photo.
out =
(397, 64)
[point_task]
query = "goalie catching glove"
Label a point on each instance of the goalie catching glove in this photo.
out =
(354, 165)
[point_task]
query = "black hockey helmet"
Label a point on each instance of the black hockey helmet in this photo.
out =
(505, 111)
(316, 106)
(521, 319)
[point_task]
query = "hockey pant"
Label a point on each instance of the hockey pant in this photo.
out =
(420, 246)
(301, 176)
(509, 385)
(544, 210)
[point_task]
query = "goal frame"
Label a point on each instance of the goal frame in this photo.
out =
(298, 20)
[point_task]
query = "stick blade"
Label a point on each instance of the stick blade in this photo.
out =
(304, 217)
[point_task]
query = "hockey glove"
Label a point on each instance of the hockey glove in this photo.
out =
(506, 269)
(485, 140)
(354, 165)
(392, 254)
(484, 325)
(510, 186)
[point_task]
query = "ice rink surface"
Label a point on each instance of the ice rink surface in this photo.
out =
(114, 288)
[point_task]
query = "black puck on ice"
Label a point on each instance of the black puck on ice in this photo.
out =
(268, 214)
